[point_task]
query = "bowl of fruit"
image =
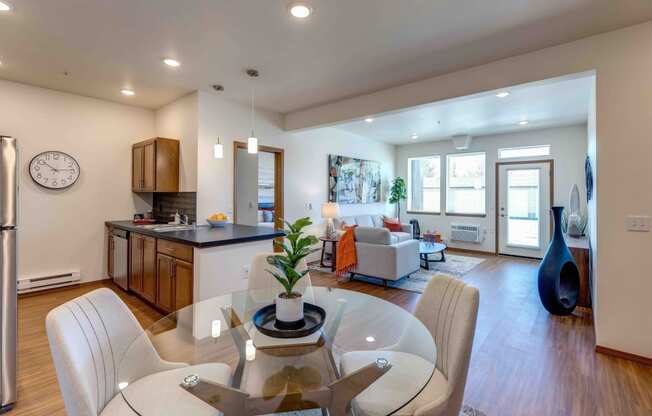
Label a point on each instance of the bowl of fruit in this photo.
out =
(218, 220)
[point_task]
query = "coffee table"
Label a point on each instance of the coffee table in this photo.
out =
(428, 248)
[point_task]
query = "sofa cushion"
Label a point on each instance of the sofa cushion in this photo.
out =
(339, 223)
(392, 225)
(373, 235)
(401, 236)
(364, 221)
(377, 220)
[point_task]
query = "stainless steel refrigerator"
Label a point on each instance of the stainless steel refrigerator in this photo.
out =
(8, 275)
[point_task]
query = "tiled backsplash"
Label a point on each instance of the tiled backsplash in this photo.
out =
(166, 204)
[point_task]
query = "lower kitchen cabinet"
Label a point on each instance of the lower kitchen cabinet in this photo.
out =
(175, 283)
(157, 275)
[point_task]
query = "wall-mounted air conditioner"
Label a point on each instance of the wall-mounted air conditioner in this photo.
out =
(469, 233)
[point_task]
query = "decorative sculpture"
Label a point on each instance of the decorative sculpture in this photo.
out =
(574, 224)
(559, 278)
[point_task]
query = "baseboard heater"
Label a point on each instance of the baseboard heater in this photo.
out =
(465, 232)
(35, 284)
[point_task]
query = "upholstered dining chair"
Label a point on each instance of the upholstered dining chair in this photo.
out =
(260, 278)
(448, 308)
(89, 337)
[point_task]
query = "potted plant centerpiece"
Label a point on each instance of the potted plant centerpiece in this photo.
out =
(297, 245)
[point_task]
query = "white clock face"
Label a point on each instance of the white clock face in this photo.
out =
(54, 170)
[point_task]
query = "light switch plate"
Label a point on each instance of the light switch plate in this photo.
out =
(640, 223)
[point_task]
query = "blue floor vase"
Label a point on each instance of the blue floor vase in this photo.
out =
(559, 278)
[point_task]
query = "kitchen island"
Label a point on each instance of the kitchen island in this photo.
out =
(172, 267)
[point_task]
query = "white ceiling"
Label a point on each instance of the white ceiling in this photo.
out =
(344, 49)
(543, 104)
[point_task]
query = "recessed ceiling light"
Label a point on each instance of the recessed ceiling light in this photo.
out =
(523, 122)
(370, 339)
(300, 10)
(171, 62)
(502, 94)
(127, 92)
(369, 119)
(5, 7)
(414, 137)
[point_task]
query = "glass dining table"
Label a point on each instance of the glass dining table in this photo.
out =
(366, 346)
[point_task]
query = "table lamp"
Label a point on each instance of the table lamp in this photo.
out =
(330, 210)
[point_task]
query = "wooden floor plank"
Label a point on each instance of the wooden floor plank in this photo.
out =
(525, 361)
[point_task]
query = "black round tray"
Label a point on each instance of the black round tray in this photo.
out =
(313, 320)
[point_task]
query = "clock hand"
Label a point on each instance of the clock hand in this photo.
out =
(54, 169)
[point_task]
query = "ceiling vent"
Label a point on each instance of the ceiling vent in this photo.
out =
(462, 141)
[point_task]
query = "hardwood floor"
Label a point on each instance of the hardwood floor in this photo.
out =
(524, 362)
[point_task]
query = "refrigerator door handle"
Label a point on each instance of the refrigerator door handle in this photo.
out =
(8, 335)
(8, 181)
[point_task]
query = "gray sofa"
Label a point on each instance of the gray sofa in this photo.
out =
(380, 255)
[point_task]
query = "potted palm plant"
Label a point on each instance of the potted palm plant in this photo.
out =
(289, 304)
(398, 193)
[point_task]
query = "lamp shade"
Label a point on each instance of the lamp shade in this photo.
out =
(218, 151)
(252, 144)
(330, 210)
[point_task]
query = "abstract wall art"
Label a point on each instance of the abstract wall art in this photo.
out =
(353, 181)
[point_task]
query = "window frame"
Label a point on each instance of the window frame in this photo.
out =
(409, 210)
(536, 146)
(484, 185)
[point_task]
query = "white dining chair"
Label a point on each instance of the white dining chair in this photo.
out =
(260, 278)
(90, 335)
(448, 308)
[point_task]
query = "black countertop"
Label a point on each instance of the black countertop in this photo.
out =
(205, 236)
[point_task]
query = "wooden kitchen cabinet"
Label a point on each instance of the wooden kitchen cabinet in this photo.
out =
(142, 266)
(183, 284)
(165, 295)
(111, 256)
(155, 165)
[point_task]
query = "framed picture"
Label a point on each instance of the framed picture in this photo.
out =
(353, 181)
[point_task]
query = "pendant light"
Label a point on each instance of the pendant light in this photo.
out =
(252, 141)
(218, 150)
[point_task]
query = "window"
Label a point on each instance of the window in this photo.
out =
(465, 185)
(524, 151)
(424, 183)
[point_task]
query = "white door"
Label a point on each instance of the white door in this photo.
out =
(246, 187)
(524, 209)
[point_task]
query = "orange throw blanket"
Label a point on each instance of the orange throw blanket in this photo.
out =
(346, 256)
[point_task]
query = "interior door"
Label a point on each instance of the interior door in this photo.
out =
(524, 201)
(246, 187)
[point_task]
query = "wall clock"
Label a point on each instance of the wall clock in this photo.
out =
(54, 169)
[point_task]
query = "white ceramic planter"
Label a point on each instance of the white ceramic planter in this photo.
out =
(289, 309)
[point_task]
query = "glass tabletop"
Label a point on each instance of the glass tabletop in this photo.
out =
(215, 340)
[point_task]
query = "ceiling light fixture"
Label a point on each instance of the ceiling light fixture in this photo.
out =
(127, 92)
(370, 339)
(414, 137)
(300, 10)
(218, 151)
(5, 7)
(502, 94)
(369, 119)
(252, 141)
(523, 122)
(171, 62)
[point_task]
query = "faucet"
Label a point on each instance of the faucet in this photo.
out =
(185, 220)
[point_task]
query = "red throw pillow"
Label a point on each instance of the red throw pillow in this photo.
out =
(392, 224)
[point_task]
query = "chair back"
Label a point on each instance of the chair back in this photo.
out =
(449, 309)
(88, 337)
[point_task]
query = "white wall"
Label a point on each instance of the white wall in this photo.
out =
(568, 149)
(622, 65)
(179, 120)
(62, 231)
(306, 159)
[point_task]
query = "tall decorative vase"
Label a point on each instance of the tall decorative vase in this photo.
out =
(559, 278)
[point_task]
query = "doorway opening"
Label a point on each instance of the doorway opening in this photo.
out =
(258, 186)
(523, 200)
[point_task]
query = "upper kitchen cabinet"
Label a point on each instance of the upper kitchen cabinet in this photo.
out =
(155, 166)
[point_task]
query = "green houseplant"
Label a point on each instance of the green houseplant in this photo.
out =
(398, 193)
(296, 247)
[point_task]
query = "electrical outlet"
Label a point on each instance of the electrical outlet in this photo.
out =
(640, 223)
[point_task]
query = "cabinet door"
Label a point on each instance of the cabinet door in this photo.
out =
(136, 263)
(149, 269)
(165, 294)
(111, 255)
(182, 284)
(149, 167)
(137, 168)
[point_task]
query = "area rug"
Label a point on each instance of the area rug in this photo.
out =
(455, 265)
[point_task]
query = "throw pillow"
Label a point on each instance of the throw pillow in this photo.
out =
(393, 225)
